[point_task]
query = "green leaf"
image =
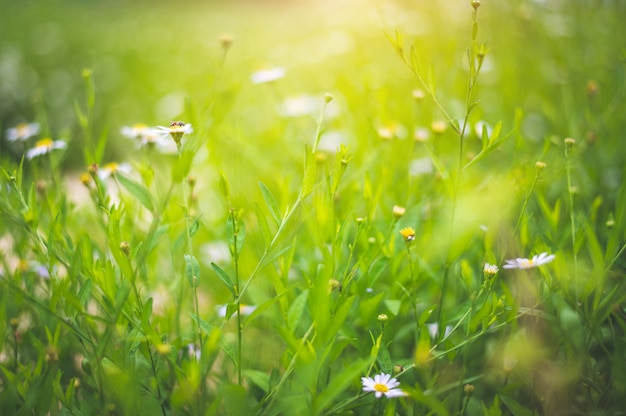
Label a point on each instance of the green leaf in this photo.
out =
(338, 384)
(384, 360)
(192, 270)
(295, 311)
(204, 326)
(393, 305)
(136, 190)
(195, 226)
(224, 185)
(432, 84)
(515, 408)
(224, 278)
(265, 229)
(85, 292)
(271, 203)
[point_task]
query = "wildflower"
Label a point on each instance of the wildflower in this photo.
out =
(438, 126)
(298, 106)
(408, 234)
(265, 75)
(537, 260)
(22, 131)
(383, 318)
(111, 169)
(125, 248)
(421, 166)
(382, 384)
(334, 284)
(398, 211)
(418, 95)
(45, 146)
(226, 40)
(569, 142)
(421, 134)
(85, 179)
(540, 166)
(490, 270)
(392, 130)
(136, 131)
(176, 129)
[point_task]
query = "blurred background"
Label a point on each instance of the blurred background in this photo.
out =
(558, 64)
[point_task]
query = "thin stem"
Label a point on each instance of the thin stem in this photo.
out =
(525, 204)
(237, 297)
(570, 194)
(156, 379)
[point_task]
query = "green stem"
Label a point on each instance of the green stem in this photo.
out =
(525, 204)
(570, 195)
(156, 379)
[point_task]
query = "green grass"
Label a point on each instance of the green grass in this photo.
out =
(131, 294)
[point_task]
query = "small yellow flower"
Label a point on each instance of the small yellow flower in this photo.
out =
(408, 234)
(85, 178)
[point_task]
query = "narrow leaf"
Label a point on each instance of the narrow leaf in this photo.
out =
(224, 278)
(271, 203)
(192, 270)
(136, 190)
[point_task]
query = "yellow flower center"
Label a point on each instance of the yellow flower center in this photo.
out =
(381, 388)
(47, 142)
(111, 167)
(22, 129)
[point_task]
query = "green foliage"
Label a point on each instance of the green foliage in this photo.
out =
(319, 226)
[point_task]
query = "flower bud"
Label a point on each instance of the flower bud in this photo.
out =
(398, 211)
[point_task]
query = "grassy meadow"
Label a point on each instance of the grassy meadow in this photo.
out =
(353, 207)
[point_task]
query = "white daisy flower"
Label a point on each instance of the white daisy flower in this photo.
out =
(537, 260)
(490, 269)
(110, 169)
(45, 146)
(176, 130)
(177, 127)
(136, 131)
(302, 105)
(22, 131)
(382, 384)
(265, 75)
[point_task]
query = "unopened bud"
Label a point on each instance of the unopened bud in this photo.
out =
(540, 166)
(125, 247)
(398, 211)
